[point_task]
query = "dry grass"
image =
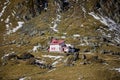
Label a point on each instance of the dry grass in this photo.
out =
(93, 71)
(71, 22)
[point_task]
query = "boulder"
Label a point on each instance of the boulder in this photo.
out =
(26, 56)
(42, 64)
(86, 50)
(31, 61)
(84, 57)
(115, 53)
(96, 59)
(76, 56)
(7, 57)
(69, 60)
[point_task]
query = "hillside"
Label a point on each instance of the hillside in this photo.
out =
(92, 26)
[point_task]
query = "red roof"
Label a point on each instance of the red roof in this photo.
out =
(55, 41)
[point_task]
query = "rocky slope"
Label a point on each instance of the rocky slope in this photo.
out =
(90, 25)
(108, 11)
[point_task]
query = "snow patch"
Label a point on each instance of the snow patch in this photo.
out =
(113, 26)
(13, 13)
(57, 20)
(22, 78)
(40, 61)
(117, 69)
(107, 21)
(1, 20)
(7, 20)
(101, 19)
(52, 70)
(105, 63)
(20, 24)
(57, 59)
(82, 25)
(55, 23)
(25, 78)
(63, 37)
(64, 33)
(6, 2)
(56, 62)
(83, 9)
(7, 26)
(54, 27)
(82, 44)
(35, 48)
(18, 27)
(53, 57)
(6, 55)
(4, 8)
(69, 45)
(76, 35)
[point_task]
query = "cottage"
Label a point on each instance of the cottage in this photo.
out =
(59, 46)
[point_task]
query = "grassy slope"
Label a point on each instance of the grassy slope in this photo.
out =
(71, 24)
(93, 71)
